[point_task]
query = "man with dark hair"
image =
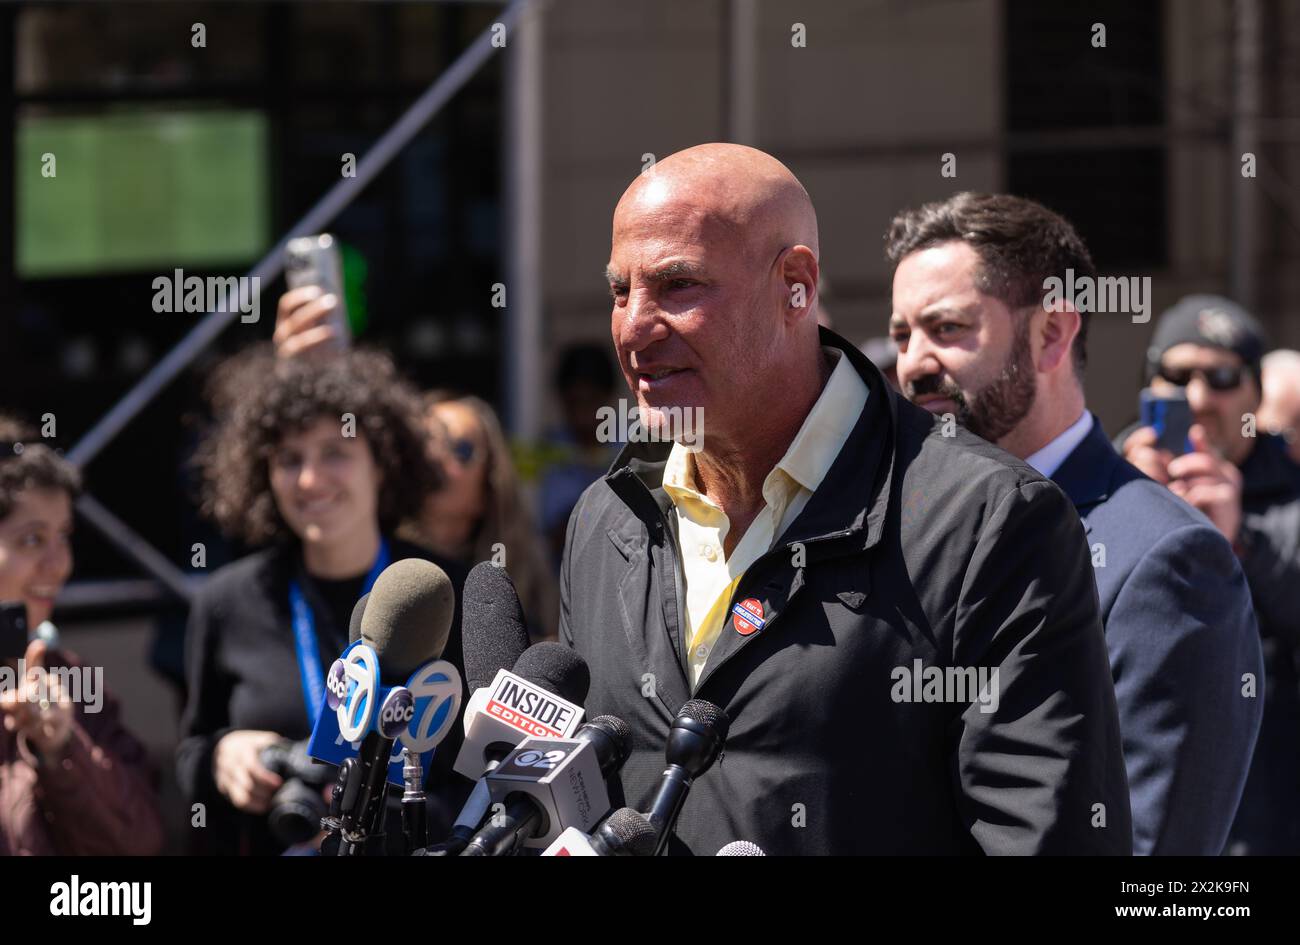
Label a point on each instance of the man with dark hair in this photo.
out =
(823, 565)
(979, 346)
(1211, 349)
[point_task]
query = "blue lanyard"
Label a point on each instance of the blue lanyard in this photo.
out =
(304, 637)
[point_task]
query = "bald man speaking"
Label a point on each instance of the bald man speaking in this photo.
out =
(899, 619)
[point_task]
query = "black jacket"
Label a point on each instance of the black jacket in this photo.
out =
(916, 546)
(243, 673)
(1268, 821)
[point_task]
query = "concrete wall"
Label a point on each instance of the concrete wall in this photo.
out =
(623, 80)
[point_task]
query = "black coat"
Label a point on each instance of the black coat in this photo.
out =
(1268, 821)
(917, 546)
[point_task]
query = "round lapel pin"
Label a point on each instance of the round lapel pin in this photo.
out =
(747, 617)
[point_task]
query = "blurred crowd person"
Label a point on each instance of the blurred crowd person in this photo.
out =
(73, 780)
(1240, 475)
(1279, 409)
(316, 462)
(479, 513)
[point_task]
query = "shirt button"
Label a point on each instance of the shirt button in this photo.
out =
(711, 552)
(701, 652)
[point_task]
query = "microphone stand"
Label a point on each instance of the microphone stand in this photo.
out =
(357, 801)
(415, 827)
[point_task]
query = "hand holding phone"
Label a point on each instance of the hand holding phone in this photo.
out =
(40, 709)
(312, 315)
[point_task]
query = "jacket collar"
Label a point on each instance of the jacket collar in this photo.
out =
(1088, 474)
(853, 499)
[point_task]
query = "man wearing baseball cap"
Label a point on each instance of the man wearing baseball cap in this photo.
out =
(1240, 476)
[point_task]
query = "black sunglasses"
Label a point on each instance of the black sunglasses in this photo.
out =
(463, 449)
(1217, 378)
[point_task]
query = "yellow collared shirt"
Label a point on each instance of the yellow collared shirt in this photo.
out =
(711, 578)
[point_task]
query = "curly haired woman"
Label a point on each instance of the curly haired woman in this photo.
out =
(317, 461)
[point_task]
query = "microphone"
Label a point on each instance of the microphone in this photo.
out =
(354, 623)
(493, 629)
(493, 638)
(542, 698)
(398, 632)
(402, 629)
(694, 743)
(741, 848)
(625, 832)
(546, 667)
(548, 784)
(407, 617)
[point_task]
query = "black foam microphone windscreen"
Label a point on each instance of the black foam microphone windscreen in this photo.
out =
(493, 631)
(556, 668)
(408, 617)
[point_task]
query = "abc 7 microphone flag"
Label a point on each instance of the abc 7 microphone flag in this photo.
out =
(417, 715)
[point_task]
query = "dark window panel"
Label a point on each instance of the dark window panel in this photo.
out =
(1056, 78)
(1057, 81)
(135, 46)
(1116, 199)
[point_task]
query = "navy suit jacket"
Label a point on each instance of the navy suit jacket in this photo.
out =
(1181, 634)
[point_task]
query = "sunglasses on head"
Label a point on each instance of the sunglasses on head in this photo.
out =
(1216, 378)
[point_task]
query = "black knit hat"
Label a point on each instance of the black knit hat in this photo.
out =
(1212, 322)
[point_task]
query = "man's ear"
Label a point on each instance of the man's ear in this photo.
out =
(799, 273)
(1058, 327)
